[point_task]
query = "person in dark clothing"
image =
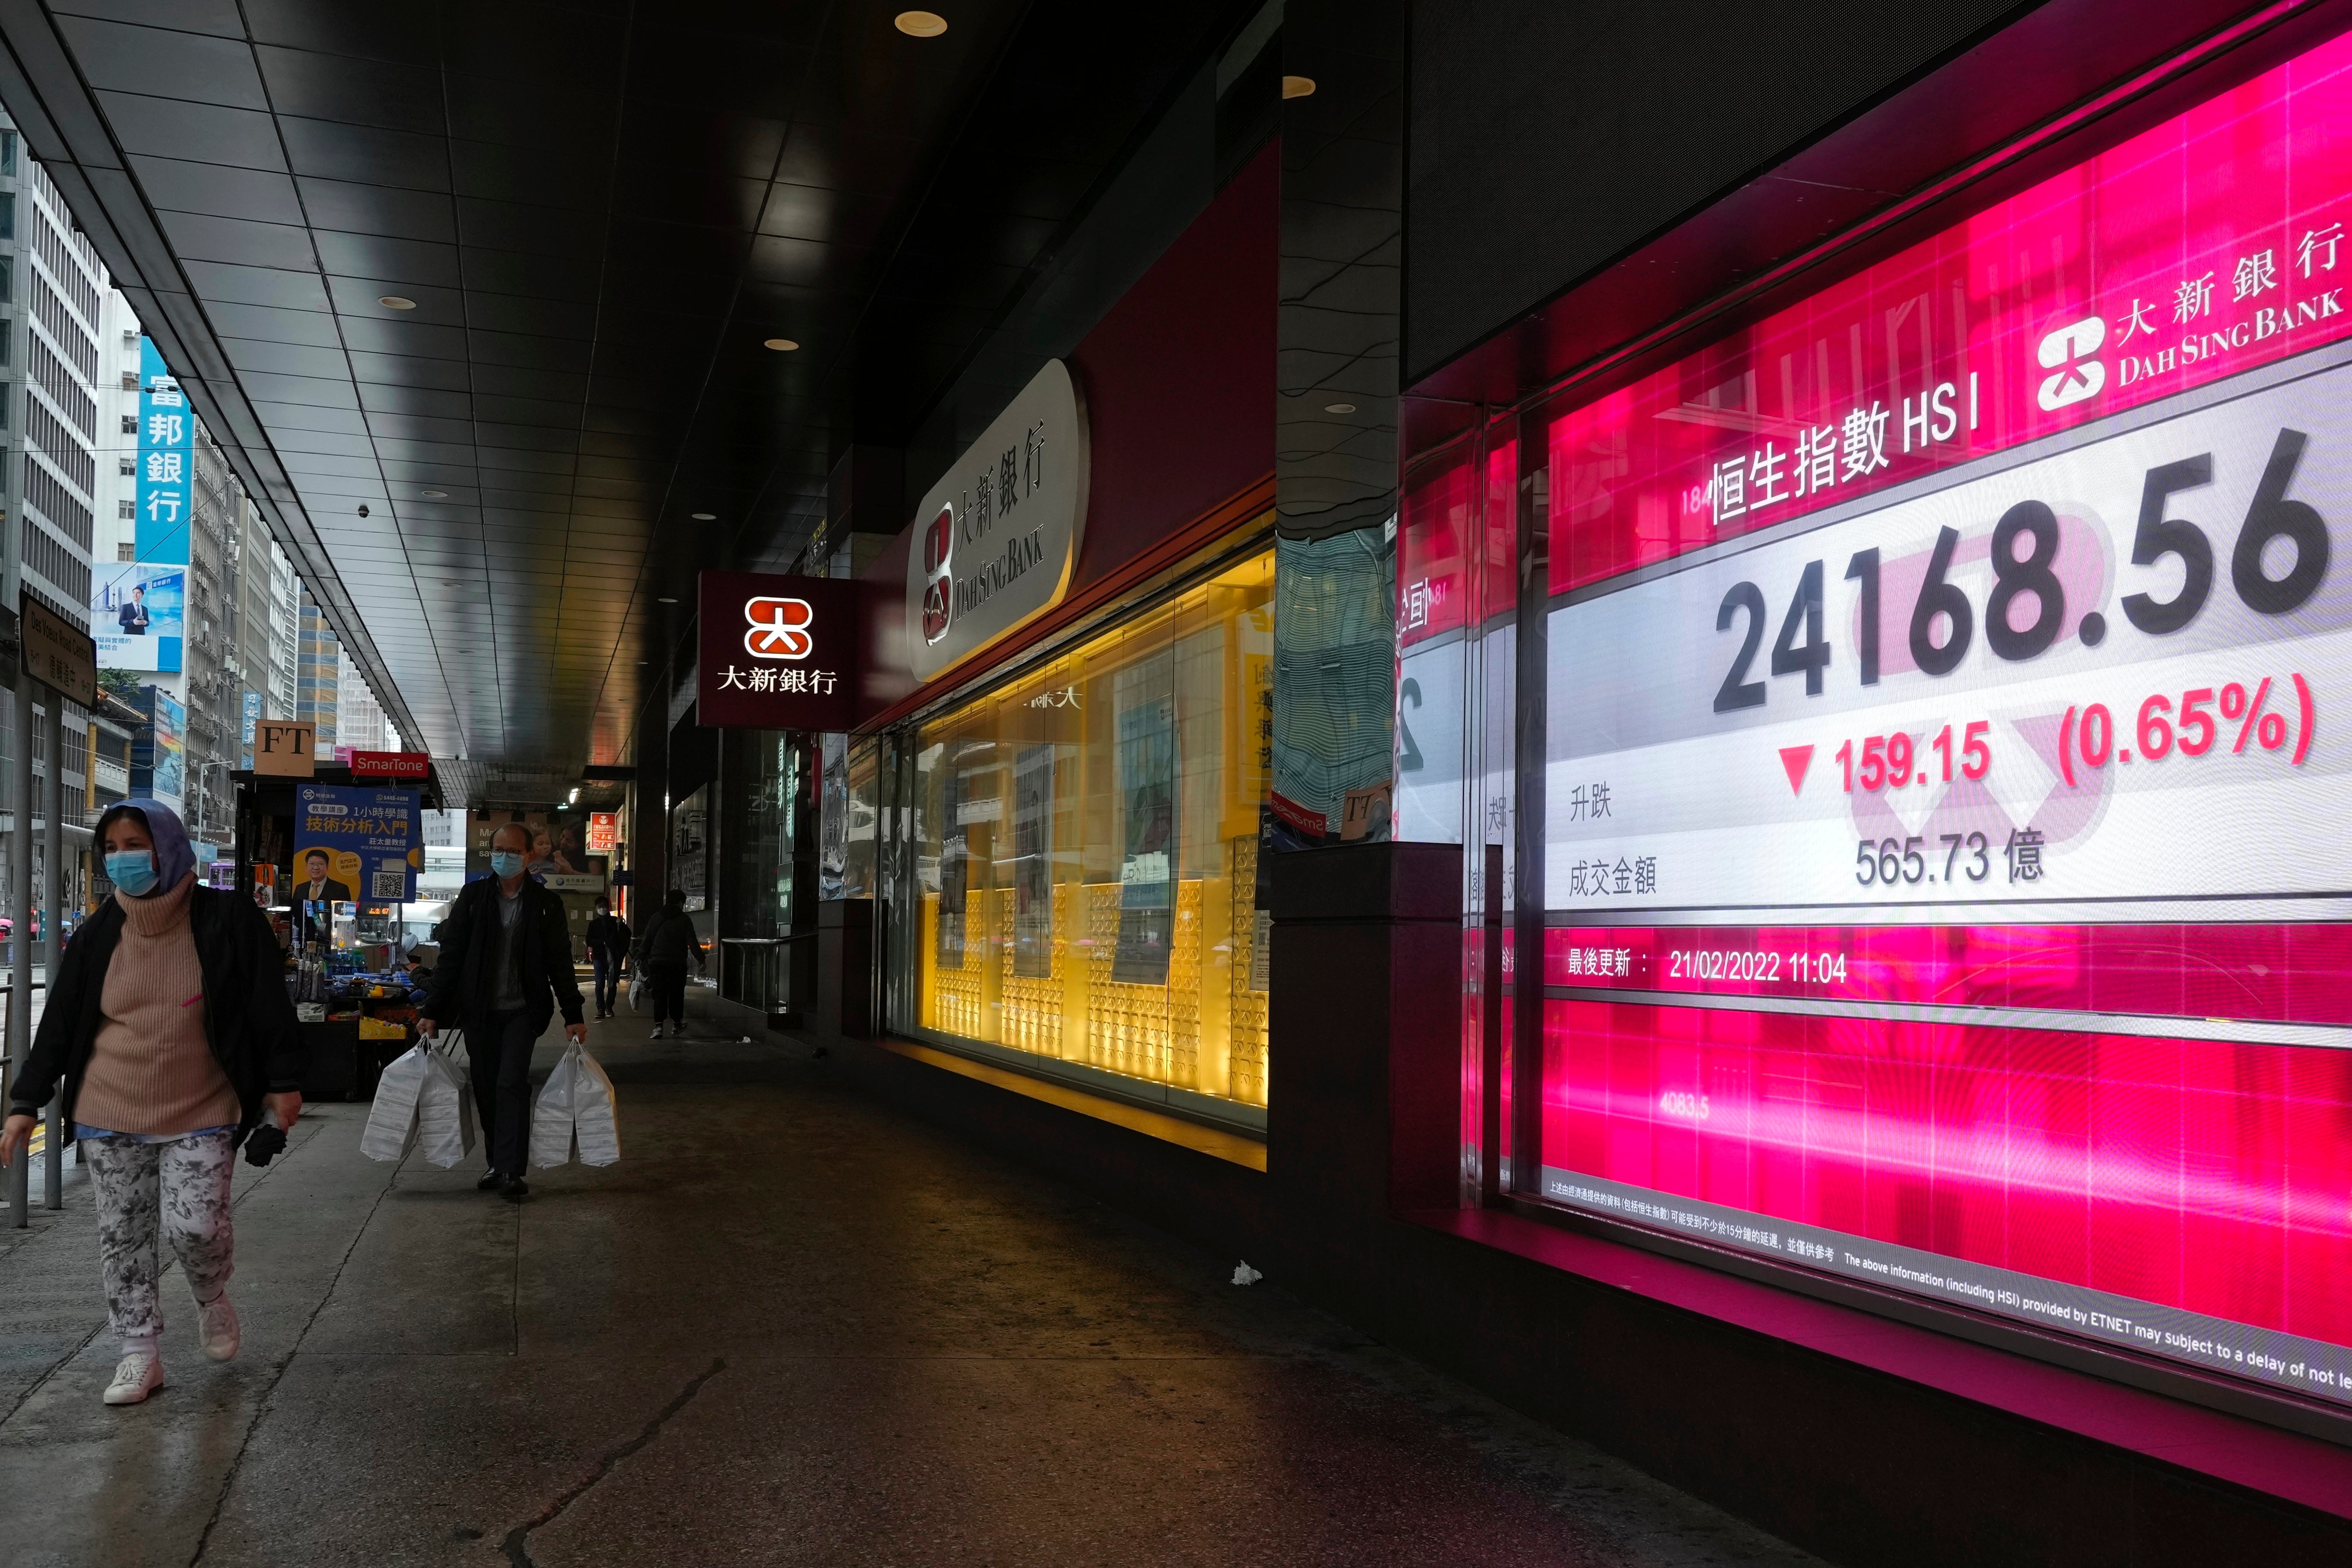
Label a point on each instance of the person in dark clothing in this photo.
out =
(505, 966)
(662, 953)
(608, 946)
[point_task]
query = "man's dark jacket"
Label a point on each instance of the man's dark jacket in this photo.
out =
(248, 1019)
(609, 934)
(462, 981)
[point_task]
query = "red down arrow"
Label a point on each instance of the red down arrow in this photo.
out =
(1794, 761)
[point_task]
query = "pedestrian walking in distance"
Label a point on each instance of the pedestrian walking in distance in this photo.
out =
(661, 954)
(608, 947)
(504, 967)
(169, 1027)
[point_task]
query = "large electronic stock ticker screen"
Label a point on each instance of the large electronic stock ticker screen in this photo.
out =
(1948, 803)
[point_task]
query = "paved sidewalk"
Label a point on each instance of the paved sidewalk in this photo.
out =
(791, 1327)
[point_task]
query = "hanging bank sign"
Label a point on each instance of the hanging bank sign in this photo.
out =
(778, 653)
(996, 538)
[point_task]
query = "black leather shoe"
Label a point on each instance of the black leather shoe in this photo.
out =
(515, 1190)
(486, 1183)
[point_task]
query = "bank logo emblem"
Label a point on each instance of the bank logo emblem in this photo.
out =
(779, 628)
(2067, 352)
(939, 585)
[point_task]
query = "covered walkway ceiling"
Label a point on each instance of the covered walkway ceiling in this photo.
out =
(503, 273)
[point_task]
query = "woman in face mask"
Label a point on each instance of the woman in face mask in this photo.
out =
(169, 1028)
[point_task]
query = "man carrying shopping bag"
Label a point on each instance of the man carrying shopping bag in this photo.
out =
(505, 966)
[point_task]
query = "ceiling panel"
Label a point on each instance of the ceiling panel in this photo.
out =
(595, 212)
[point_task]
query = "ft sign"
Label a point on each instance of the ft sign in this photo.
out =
(284, 749)
(778, 653)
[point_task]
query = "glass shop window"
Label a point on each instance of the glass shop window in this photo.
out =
(1085, 848)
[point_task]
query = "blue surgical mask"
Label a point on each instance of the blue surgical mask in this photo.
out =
(133, 870)
(505, 863)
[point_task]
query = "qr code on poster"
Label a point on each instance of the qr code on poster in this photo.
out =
(390, 884)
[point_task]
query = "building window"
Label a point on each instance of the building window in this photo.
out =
(1087, 849)
(126, 551)
(131, 424)
(129, 512)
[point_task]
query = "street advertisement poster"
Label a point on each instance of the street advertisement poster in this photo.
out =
(167, 432)
(955, 861)
(1944, 863)
(603, 832)
(1032, 862)
(690, 850)
(1143, 697)
(158, 754)
(138, 607)
(556, 854)
(832, 815)
(139, 611)
(356, 846)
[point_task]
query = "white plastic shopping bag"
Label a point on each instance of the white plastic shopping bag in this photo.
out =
(636, 990)
(392, 1120)
(550, 1114)
(576, 1100)
(596, 1114)
(444, 1112)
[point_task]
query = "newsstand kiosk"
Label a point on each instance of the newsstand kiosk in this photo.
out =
(354, 994)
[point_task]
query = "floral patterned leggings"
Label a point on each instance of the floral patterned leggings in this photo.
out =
(184, 1183)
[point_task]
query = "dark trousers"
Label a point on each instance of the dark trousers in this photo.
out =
(608, 978)
(668, 986)
(499, 1050)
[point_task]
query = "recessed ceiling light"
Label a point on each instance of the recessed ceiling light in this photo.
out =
(664, 599)
(705, 517)
(395, 301)
(1339, 408)
(1299, 87)
(781, 345)
(920, 24)
(435, 495)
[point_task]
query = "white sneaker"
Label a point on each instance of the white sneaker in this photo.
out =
(657, 1031)
(216, 1327)
(135, 1377)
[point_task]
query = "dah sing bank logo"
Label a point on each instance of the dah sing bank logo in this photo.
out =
(779, 628)
(2075, 375)
(938, 582)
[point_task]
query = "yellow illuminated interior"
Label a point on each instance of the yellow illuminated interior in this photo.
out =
(1087, 848)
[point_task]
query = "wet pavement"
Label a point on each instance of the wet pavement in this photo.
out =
(792, 1326)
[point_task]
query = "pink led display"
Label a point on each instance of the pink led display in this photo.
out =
(2288, 974)
(1996, 1116)
(2204, 247)
(2209, 1178)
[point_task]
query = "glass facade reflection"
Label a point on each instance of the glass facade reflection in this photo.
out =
(1084, 847)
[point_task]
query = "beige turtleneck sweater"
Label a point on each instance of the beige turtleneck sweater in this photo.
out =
(151, 1070)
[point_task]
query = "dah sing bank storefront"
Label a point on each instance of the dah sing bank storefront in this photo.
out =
(1918, 770)
(1053, 797)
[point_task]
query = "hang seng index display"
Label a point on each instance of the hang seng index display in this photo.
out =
(2101, 674)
